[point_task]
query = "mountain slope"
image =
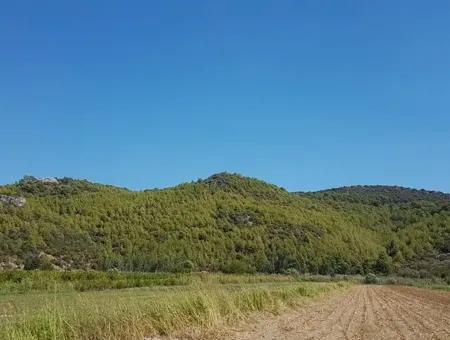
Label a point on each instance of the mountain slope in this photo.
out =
(226, 222)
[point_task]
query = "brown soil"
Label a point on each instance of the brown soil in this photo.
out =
(362, 312)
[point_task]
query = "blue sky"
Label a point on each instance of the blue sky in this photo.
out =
(304, 94)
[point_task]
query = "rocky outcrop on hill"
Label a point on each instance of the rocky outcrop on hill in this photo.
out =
(13, 200)
(48, 180)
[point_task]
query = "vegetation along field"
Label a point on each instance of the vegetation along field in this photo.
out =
(222, 257)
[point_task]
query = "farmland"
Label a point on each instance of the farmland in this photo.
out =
(361, 312)
(195, 305)
(118, 305)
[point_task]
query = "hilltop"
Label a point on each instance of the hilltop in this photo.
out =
(226, 222)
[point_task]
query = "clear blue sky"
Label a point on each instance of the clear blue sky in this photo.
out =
(304, 94)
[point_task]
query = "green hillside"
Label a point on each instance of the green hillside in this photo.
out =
(228, 223)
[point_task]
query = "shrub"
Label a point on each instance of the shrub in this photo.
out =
(36, 261)
(291, 271)
(392, 281)
(186, 266)
(371, 279)
(237, 267)
(383, 264)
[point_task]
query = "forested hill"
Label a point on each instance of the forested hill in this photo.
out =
(226, 222)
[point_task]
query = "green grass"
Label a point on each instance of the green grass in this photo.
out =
(20, 281)
(199, 306)
(27, 281)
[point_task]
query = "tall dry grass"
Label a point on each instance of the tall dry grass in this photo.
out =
(198, 309)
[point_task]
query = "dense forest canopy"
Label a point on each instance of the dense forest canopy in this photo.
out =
(227, 223)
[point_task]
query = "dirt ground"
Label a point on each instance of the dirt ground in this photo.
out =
(362, 312)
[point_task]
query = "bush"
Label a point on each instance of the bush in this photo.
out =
(186, 266)
(371, 279)
(291, 271)
(392, 281)
(237, 267)
(36, 261)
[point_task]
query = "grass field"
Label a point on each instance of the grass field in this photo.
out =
(54, 306)
(116, 305)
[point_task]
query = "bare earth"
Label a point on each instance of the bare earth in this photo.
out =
(362, 312)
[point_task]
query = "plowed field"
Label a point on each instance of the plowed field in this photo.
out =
(362, 312)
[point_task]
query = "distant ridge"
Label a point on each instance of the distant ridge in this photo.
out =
(393, 194)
